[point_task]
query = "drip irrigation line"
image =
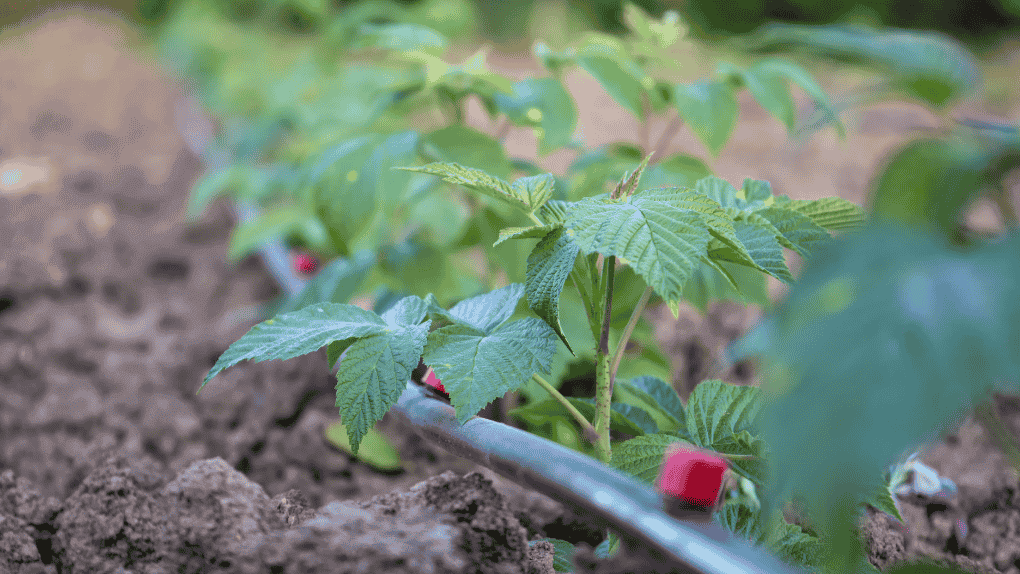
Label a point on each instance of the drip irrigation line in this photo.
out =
(585, 485)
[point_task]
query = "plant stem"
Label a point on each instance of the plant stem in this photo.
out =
(589, 430)
(667, 136)
(643, 127)
(627, 332)
(603, 390)
(503, 130)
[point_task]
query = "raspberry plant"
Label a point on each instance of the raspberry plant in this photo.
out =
(666, 231)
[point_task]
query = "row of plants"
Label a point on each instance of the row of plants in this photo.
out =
(471, 265)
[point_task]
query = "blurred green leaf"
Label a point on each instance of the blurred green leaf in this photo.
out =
(679, 170)
(270, 224)
(934, 330)
(337, 282)
(403, 37)
(928, 183)
(468, 147)
(605, 58)
(710, 108)
(374, 450)
(929, 66)
(544, 104)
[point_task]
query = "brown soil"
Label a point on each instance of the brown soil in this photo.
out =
(112, 309)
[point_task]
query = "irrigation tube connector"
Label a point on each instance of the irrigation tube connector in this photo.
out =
(585, 485)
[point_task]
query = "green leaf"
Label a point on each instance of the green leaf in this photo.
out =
(298, 333)
(549, 265)
(608, 547)
(533, 232)
(925, 320)
(720, 224)
(710, 108)
(680, 170)
(623, 418)
(782, 68)
(636, 416)
(443, 218)
(379, 179)
(477, 367)
(832, 213)
(721, 418)
(605, 58)
(468, 147)
(660, 242)
(798, 229)
(477, 180)
(375, 372)
(487, 311)
(407, 311)
(206, 189)
(270, 224)
(787, 541)
(335, 283)
(927, 65)
(552, 60)
(641, 457)
(662, 393)
(554, 211)
(707, 286)
(401, 37)
(928, 183)
(563, 559)
(534, 190)
(535, 413)
(374, 450)
(882, 500)
(772, 93)
(544, 104)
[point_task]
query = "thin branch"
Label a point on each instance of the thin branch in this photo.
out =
(586, 426)
(503, 130)
(627, 332)
(666, 137)
(643, 126)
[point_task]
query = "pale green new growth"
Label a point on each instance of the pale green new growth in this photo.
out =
(527, 193)
(533, 232)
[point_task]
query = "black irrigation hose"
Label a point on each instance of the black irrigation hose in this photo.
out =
(585, 485)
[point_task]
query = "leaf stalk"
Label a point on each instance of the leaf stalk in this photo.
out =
(627, 332)
(586, 426)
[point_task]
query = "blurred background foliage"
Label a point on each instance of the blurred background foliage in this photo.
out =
(979, 23)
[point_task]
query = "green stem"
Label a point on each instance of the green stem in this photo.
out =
(627, 332)
(583, 293)
(603, 390)
(589, 430)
